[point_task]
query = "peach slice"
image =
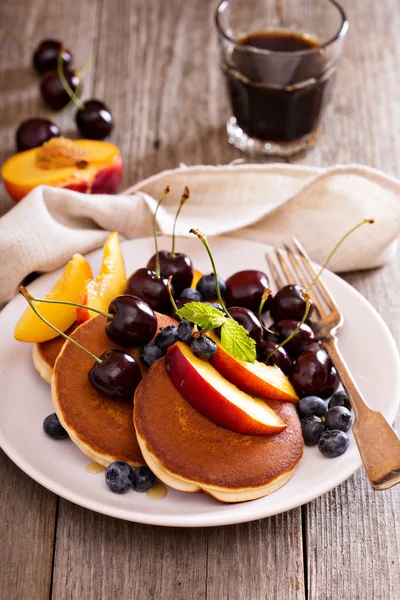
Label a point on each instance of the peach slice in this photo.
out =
(254, 378)
(109, 283)
(68, 288)
(196, 277)
(215, 397)
(83, 165)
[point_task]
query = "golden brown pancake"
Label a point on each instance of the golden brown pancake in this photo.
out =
(191, 453)
(102, 428)
(44, 354)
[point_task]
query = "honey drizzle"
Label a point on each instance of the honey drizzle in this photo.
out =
(157, 492)
(94, 468)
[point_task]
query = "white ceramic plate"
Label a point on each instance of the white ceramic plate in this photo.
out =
(60, 466)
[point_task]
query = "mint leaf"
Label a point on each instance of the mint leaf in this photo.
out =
(236, 340)
(205, 316)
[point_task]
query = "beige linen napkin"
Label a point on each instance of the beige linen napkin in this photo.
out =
(264, 203)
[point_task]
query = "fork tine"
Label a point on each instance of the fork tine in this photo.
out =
(284, 267)
(276, 276)
(302, 279)
(320, 284)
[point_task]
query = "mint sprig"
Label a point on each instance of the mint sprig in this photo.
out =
(234, 338)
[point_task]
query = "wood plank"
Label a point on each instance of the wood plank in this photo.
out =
(27, 521)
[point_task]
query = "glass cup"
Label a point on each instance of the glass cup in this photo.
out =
(279, 58)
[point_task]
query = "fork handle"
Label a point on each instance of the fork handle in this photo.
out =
(378, 443)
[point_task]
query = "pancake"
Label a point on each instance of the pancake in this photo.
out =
(44, 354)
(102, 428)
(191, 453)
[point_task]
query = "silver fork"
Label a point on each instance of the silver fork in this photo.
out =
(378, 443)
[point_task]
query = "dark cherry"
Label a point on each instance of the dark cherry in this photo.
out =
(52, 90)
(300, 341)
(94, 121)
(314, 375)
(245, 288)
(34, 132)
(248, 320)
(45, 57)
(288, 303)
(133, 323)
(117, 376)
(280, 358)
(145, 284)
(180, 266)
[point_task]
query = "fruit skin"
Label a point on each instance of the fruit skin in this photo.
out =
(190, 294)
(32, 133)
(312, 428)
(214, 397)
(145, 284)
(167, 336)
(338, 417)
(53, 428)
(206, 286)
(53, 91)
(150, 353)
(95, 120)
(300, 341)
(109, 283)
(102, 174)
(119, 477)
(311, 405)
(247, 319)
(245, 288)
(203, 347)
(134, 323)
(339, 399)
(333, 443)
(180, 266)
(117, 377)
(259, 379)
(288, 303)
(45, 57)
(314, 375)
(143, 479)
(280, 358)
(185, 328)
(32, 329)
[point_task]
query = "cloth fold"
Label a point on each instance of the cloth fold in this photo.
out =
(265, 203)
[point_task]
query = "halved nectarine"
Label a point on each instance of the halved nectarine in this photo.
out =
(68, 288)
(216, 398)
(109, 283)
(87, 166)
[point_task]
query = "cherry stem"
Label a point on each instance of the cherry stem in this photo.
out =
(158, 270)
(307, 298)
(265, 295)
(67, 303)
(204, 241)
(30, 299)
(174, 306)
(185, 197)
(65, 84)
(340, 242)
(16, 37)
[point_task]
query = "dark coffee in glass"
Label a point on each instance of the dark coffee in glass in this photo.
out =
(279, 81)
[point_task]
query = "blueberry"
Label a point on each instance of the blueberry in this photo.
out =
(203, 347)
(312, 428)
(215, 305)
(150, 354)
(119, 477)
(311, 405)
(338, 417)
(167, 336)
(191, 294)
(333, 443)
(53, 428)
(143, 479)
(206, 286)
(185, 331)
(339, 399)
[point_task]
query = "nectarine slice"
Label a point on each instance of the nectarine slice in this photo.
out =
(68, 288)
(109, 283)
(96, 168)
(256, 378)
(216, 398)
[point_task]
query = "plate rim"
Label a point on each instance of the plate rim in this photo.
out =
(215, 518)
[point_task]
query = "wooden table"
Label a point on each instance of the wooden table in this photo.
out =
(156, 65)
